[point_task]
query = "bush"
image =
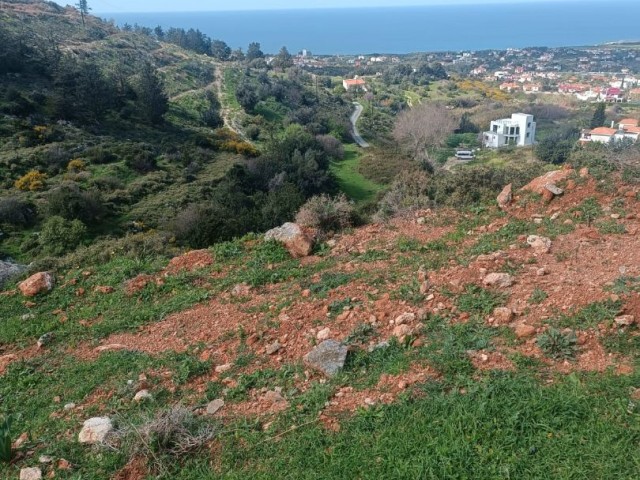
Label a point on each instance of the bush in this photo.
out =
(70, 202)
(408, 192)
(59, 235)
(331, 146)
(142, 161)
(16, 212)
(252, 132)
(76, 165)
(557, 344)
(32, 181)
(326, 214)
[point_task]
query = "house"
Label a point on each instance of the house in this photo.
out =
(600, 135)
(354, 84)
(519, 130)
(532, 87)
(628, 129)
(628, 122)
(572, 88)
(509, 87)
(614, 95)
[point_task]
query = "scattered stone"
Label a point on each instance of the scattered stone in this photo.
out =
(401, 331)
(32, 473)
(502, 280)
(506, 197)
(378, 346)
(554, 189)
(27, 316)
(45, 340)
(241, 290)
(143, 396)
(323, 334)
(405, 318)
(95, 430)
(421, 221)
(328, 357)
(625, 320)
(223, 368)
(525, 331)
(21, 440)
(214, 406)
(274, 396)
(45, 459)
(584, 172)
(555, 216)
(306, 293)
(293, 237)
(615, 216)
(39, 283)
(64, 464)
(111, 347)
(541, 272)
(69, 406)
(540, 245)
(104, 289)
(273, 348)
(503, 315)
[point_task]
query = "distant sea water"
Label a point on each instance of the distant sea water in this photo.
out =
(411, 29)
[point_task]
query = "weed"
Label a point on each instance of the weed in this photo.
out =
(188, 366)
(406, 244)
(374, 256)
(611, 227)
(624, 285)
(409, 293)
(478, 301)
(537, 296)
(329, 281)
(590, 316)
(589, 210)
(361, 334)
(557, 344)
(338, 306)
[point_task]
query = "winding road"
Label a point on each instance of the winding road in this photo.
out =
(354, 127)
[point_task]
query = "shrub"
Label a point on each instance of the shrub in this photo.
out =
(557, 344)
(5, 439)
(252, 132)
(407, 193)
(76, 165)
(326, 214)
(331, 146)
(31, 181)
(70, 202)
(142, 161)
(16, 212)
(59, 235)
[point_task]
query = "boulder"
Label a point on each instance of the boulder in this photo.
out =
(540, 245)
(401, 331)
(553, 188)
(506, 197)
(328, 357)
(39, 283)
(324, 334)
(293, 237)
(525, 331)
(407, 317)
(502, 280)
(95, 430)
(539, 185)
(503, 315)
(33, 473)
(625, 320)
(9, 270)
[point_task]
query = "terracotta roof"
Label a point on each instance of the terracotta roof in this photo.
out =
(629, 121)
(632, 130)
(603, 131)
(355, 81)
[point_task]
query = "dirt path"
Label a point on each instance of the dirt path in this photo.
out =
(229, 119)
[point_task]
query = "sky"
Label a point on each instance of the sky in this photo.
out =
(113, 6)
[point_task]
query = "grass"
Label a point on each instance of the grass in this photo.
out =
(590, 316)
(350, 180)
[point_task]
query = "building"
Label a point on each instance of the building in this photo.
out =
(354, 84)
(627, 130)
(509, 87)
(519, 130)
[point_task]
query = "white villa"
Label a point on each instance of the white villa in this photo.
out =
(628, 129)
(519, 131)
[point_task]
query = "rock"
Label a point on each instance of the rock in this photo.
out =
(8, 270)
(69, 406)
(405, 318)
(273, 348)
(401, 331)
(422, 274)
(324, 334)
(541, 272)
(502, 280)
(503, 315)
(241, 290)
(273, 396)
(540, 245)
(95, 430)
(506, 197)
(143, 396)
(547, 196)
(33, 473)
(554, 189)
(45, 339)
(214, 406)
(293, 237)
(538, 185)
(39, 283)
(45, 459)
(525, 331)
(378, 346)
(104, 289)
(223, 368)
(328, 357)
(584, 172)
(625, 320)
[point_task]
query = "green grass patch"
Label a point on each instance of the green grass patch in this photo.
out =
(349, 178)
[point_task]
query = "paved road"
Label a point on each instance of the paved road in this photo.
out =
(354, 127)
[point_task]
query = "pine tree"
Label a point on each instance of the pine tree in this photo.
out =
(598, 116)
(153, 103)
(84, 8)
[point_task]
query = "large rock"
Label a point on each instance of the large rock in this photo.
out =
(39, 283)
(33, 473)
(502, 280)
(215, 406)
(298, 242)
(8, 270)
(95, 430)
(506, 197)
(539, 185)
(540, 245)
(328, 357)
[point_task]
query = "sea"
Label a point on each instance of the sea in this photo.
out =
(401, 30)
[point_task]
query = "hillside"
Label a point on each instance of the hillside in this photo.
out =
(452, 371)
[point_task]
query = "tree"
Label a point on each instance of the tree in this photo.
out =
(254, 51)
(220, 50)
(599, 116)
(159, 32)
(557, 147)
(152, 100)
(83, 8)
(60, 235)
(423, 128)
(283, 59)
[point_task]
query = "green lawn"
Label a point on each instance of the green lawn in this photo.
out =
(350, 180)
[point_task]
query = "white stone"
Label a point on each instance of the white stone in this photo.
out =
(143, 396)
(33, 473)
(95, 430)
(324, 334)
(214, 406)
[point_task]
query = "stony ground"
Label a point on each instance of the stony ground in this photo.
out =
(546, 284)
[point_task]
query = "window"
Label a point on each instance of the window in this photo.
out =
(528, 135)
(529, 125)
